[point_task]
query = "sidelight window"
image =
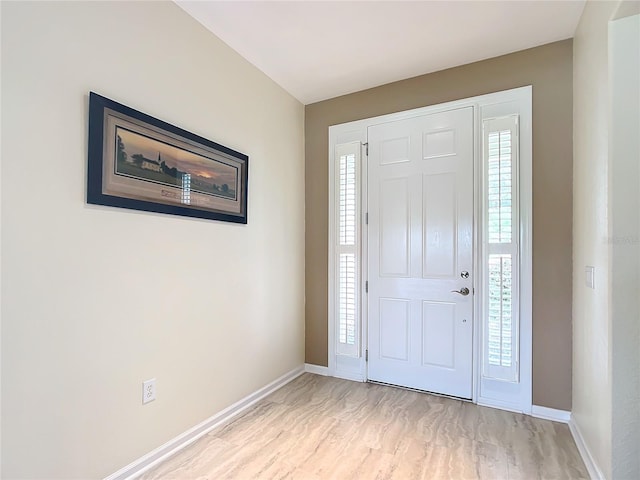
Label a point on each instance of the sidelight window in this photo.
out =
(347, 313)
(500, 252)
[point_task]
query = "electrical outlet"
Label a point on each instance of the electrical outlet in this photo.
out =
(149, 390)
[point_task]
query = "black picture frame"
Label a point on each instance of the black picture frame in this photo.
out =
(189, 176)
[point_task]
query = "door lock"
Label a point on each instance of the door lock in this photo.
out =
(464, 274)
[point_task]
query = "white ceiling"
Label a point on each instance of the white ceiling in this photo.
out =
(322, 49)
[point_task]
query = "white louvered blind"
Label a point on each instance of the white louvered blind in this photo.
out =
(500, 253)
(347, 160)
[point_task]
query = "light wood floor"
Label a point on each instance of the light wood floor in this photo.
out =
(325, 428)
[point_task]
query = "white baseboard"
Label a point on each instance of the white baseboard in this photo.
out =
(552, 414)
(317, 369)
(141, 465)
(592, 466)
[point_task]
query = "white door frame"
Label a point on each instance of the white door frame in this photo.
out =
(515, 101)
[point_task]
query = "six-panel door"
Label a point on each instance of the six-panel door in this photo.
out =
(420, 184)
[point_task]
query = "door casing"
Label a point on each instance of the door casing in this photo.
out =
(495, 394)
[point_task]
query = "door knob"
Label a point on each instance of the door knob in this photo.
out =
(463, 291)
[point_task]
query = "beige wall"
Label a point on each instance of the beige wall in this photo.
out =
(549, 69)
(95, 299)
(605, 319)
(591, 380)
(624, 198)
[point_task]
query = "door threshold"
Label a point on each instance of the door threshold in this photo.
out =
(411, 389)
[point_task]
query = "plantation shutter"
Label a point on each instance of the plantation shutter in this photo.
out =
(347, 168)
(500, 252)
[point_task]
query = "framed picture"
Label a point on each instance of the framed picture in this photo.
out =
(139, 162)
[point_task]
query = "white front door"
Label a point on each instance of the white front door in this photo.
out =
(420, 202)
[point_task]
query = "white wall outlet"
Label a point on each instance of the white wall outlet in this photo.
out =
(149, 390)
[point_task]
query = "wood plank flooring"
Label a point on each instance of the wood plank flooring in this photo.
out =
(325, 428)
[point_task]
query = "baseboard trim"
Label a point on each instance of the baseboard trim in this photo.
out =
(317, 369)
(141, 465)
(552, 414)
(592, 466)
